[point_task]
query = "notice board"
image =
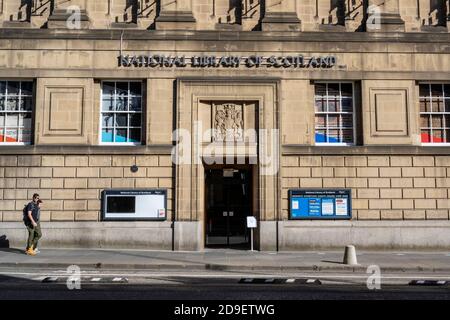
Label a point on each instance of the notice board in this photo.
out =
(144, 204)
(313, 204)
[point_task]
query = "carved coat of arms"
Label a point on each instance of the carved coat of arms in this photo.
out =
(228, 122)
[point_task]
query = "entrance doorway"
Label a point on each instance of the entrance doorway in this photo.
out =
(228, 203)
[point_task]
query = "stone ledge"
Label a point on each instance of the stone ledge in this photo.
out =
(59, 18)
(64, 14)
(151, 235)
(175, 16)
(433, 29)
(17, 24)
(332, 28)
(228, 27)
(91, 224)
(186, 35)
(124, 25)
(366, 224)
(175, 20)
(281, 21)
(389, 22)
(295, 235)
(363, 150)
(164, 149)
(391, 18)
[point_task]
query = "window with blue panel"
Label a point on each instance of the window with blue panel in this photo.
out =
(334, 113)
(121, 112)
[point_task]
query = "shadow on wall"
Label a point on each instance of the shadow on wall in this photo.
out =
(4, 242)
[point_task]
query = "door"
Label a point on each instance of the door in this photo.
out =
(228, 203)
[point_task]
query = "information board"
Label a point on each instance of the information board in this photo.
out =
(147, 204)
(320, 204)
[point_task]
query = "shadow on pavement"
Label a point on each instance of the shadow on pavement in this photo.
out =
(12, 250)
(334, 262)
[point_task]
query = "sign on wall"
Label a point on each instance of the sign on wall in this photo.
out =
(320, 204)
(297, 61)
(147, 204)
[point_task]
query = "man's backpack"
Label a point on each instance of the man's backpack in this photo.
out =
(26, 220)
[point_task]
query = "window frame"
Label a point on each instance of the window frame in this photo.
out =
(31, 112)
(444, 113)
(354, 127)
(141, 142)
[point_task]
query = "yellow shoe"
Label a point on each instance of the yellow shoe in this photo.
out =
(30, 252)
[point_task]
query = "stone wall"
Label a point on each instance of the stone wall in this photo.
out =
(397, 187)
(71, 185)
(217, 15)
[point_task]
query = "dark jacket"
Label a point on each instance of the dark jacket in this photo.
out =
(35, 211)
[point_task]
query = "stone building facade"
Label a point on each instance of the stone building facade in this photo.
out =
(357, 94)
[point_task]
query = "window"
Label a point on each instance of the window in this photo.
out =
(435, 113)
(334, 113)
(121, 116)
(16, 108)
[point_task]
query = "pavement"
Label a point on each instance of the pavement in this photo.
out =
(228, 260)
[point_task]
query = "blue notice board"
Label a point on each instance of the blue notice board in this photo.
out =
(320, 204)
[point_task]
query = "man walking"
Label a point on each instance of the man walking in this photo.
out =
(33, 212)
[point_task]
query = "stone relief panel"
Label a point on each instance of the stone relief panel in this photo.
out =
(434, 12)
(18, 11)
(124, 11)
(227, 12)
(355, 14)
(332, 12)
(132, 13)
(228, 122)
(252, 13)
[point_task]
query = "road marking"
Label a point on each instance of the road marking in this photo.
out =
(237, 275)
(290, 280)
(278, 281)
(42, 276)
(427, 283)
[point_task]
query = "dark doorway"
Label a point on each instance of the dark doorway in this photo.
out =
(228, 203)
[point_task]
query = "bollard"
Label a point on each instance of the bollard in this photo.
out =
(350, 256)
